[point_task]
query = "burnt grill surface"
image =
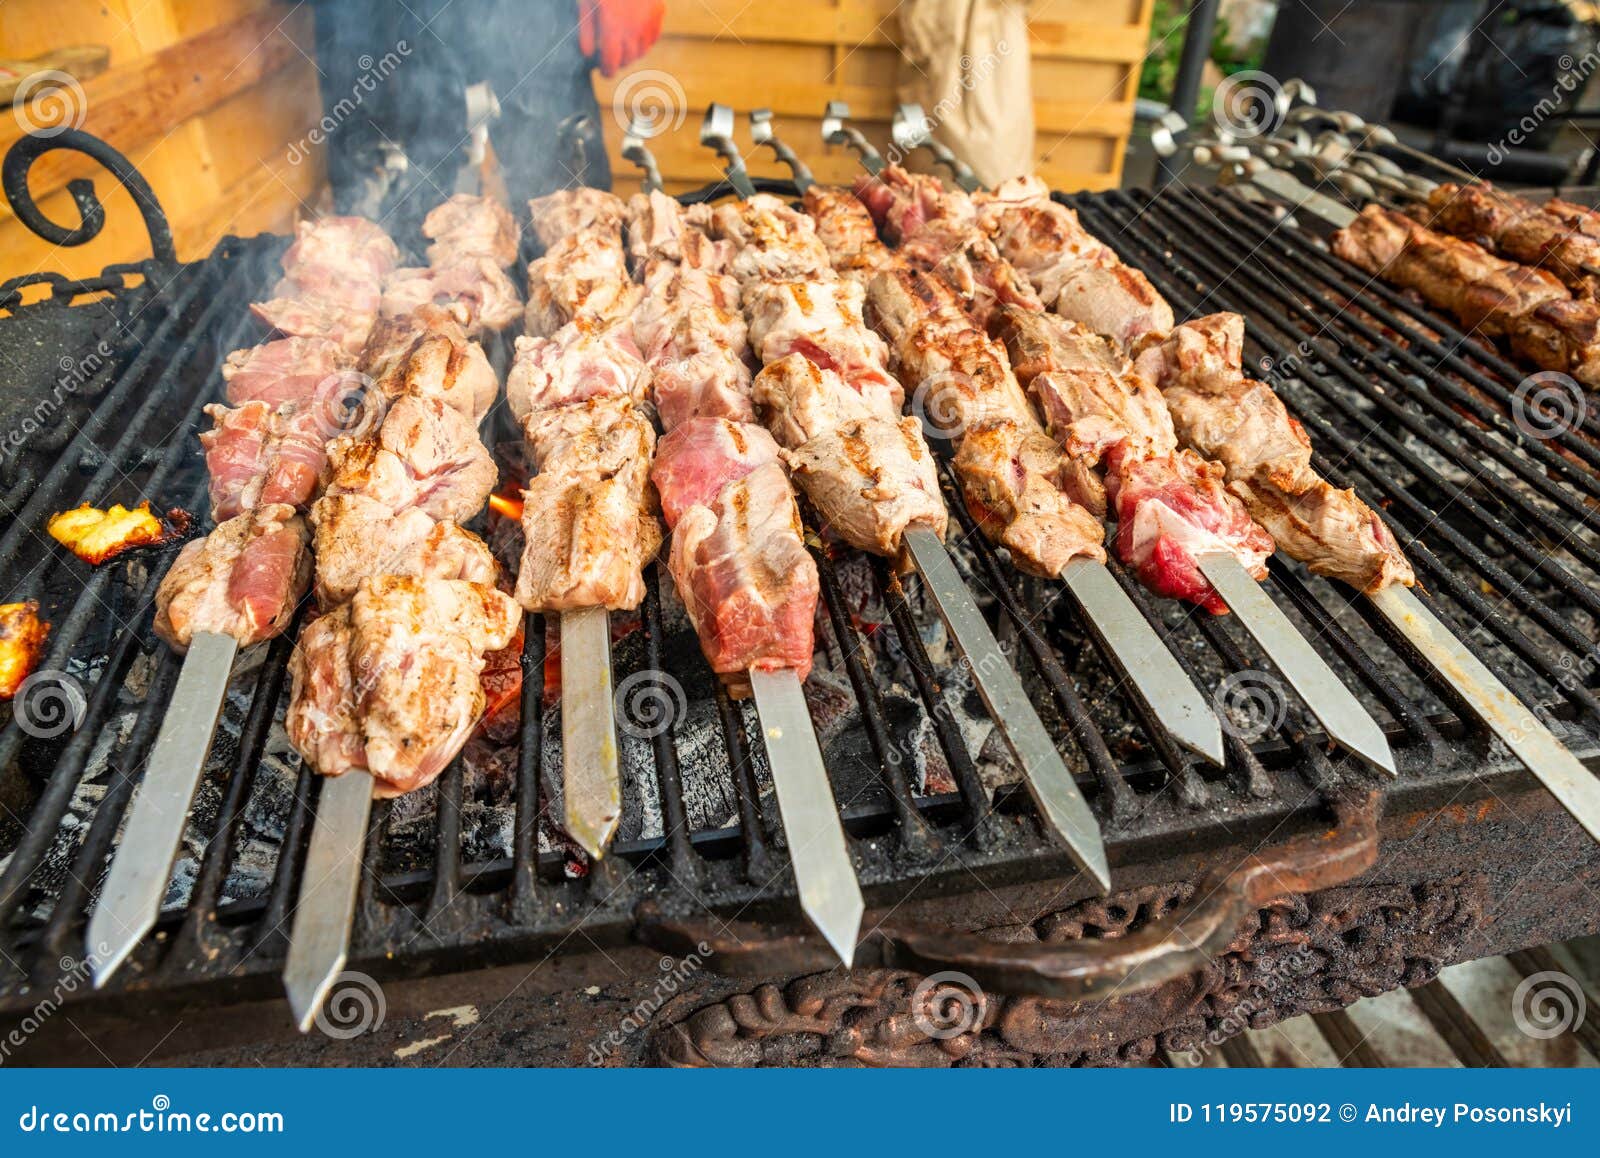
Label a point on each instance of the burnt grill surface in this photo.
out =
(470, 870)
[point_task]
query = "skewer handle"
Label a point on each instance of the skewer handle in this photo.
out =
(137, 884)
(319, 942)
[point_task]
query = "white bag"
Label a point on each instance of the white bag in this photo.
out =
(966, 63)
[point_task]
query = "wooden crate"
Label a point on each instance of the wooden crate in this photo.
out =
(797, 55)
(205, 97)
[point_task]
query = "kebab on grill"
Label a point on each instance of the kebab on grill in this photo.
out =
(385, 679)
(1216, 411)
(1557, 236)
(1011, 473)
(1528, 307)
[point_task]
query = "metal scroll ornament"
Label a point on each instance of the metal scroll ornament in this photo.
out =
(92, 214)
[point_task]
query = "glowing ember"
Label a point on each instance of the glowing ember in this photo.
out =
(22, 636)
(507, 506)
(94, 535)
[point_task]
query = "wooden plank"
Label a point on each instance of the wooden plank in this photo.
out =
(147, 98)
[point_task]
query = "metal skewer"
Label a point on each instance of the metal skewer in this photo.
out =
(319, 939)
(137, 883)
(634, 149)
(830, 895)
(1060, 803)
(836, 131)
(591, 778)
(911, 131)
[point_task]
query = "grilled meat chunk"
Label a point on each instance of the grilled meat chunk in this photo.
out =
(847, 230)
(426, 353)
(1088, 393)
(662, 229)
(1520, 230)
(799, 400)
(243, 579)
(1009, 475)
(1244, 425)
(671, 291)
(588, 516)
(697, 369)
(423, 454)
(259, 455)
(388, 684)
(699, 457)
(355, 537)
(469, 226)
(871, 479)
(475, 290)
(772, 241)
(287, 370)
(22, 636)
(821, 320)
(569, 211)
(1171, 508)
(582, 360)
(746, 579)
(582, 275)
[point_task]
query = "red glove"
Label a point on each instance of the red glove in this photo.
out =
(619, 31)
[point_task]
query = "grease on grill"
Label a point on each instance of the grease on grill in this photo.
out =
(22, 636)
(96, 535)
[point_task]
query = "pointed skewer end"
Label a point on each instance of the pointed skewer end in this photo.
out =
(308, 989)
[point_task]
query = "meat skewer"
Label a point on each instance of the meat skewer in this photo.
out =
(972, 250)
(241, 583)
(1527, 307)
(588, 514)
(737, 555)
(385, 684)
(1557, 236)
(870, 471)
(1484, 693)
(922, 316)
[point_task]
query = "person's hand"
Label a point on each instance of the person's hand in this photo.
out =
(618, 32)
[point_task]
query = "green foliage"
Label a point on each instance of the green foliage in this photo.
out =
(1167, 25)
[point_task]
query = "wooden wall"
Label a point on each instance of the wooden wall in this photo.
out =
(794, 56)
(206, 97)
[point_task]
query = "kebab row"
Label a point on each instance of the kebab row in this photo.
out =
(1179, 529)
(1222, 414)
(1529, 308)
(242, 583)
(385, 680)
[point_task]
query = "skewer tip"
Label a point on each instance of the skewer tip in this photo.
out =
(837, 915)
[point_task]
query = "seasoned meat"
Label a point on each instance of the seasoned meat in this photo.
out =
(568, 211)
(428, 354)
(259, 455)
(355, 537)
(423, 454)
(388, 683)
(469, 226)
(696, 459)
(871, 480)
(243, 579)
(582, 360)
(287, 370)
(746, 579)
